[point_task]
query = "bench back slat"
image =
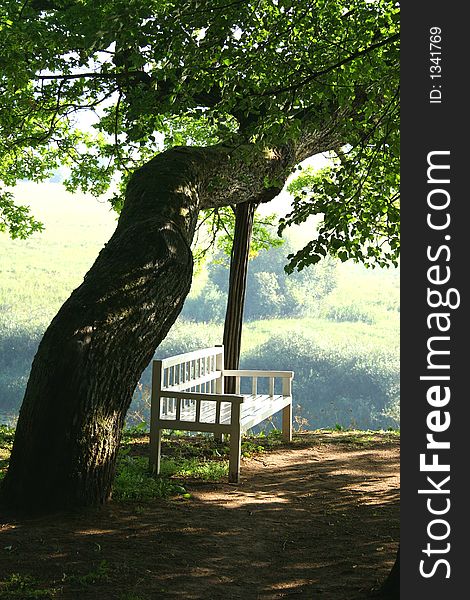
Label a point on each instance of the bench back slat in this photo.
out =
(195, 371)
(271, 386)
(195, 383)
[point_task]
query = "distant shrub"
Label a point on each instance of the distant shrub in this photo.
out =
(343, 386)
(348, 312)
(392, 411)
(270, 292)
(207, 307)
(186, 337)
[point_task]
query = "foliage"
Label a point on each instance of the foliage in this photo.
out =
(16, 218)
(154, 74)
(100, 574)
(348, 312)
(199, 457)
(184, 338)
(133, 482)
(6, 441)
(187, 458)
(362, 438)
(357, 197)
(207, 470)
(6, 434)
(208, 306)
(24, 587)
(18, 344)
(216, 230)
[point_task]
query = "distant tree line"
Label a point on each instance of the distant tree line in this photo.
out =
(271, 293)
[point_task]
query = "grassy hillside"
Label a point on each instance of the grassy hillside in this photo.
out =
(37, 274)
(346, 355)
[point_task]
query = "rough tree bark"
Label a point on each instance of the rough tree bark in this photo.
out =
(244, 217)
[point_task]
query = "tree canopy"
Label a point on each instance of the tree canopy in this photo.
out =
(257, 75)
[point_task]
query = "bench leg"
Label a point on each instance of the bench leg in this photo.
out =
(287, 423)
(234, 459)
(155, 452)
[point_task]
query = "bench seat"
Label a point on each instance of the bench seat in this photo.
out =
(254, 409)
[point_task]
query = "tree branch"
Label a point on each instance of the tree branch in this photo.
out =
(92, 75)
(313, 76)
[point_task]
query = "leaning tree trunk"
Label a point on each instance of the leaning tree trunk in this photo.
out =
(91, 356)
(93, 353)
(244, 217)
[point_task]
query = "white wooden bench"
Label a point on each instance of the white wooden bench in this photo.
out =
(188, 395)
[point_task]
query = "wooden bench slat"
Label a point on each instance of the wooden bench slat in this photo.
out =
(267, 408)
(252, 409)
(193, 382)
(207, 413)
(171, 393)
(196, 354)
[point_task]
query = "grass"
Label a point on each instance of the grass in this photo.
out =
(186, 458)
(360, 438)
(190, 458)
(325, 333)
(100, 574)
(23, 587)
(48, 265)
(6, 441)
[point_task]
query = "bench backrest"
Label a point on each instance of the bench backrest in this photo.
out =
(199, 371)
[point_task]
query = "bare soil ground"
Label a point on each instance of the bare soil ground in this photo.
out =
(318, 519)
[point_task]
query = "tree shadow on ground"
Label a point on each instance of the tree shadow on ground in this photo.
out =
(318, 521)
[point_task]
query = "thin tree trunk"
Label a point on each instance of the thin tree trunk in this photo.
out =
(244, 217)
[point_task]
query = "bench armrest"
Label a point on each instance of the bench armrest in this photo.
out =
(234, 398)
(251, 373)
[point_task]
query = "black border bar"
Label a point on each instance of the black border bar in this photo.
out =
(435, 331)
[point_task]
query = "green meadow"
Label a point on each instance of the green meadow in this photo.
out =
(343, 347)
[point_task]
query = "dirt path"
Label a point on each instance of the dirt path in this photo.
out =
(316, 521)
